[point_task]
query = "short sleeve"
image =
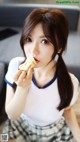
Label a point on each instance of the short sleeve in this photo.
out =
(75, 89)
(13, 69)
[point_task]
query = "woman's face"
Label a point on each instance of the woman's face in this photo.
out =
(38, 46)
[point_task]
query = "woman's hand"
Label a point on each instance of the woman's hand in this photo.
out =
(15, 101)
(23, 79)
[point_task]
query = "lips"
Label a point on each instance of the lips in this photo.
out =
(36, 60)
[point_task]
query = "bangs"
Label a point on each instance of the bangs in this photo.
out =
(50, 34)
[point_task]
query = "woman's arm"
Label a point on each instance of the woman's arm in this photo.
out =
(71, 120)
(15, 101)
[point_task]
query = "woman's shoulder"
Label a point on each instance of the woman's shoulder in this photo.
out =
(74, 79)
(75, 82)
(17, 60)
(14, 63)
(13, 68)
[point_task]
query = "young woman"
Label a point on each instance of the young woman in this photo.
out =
(41, 106)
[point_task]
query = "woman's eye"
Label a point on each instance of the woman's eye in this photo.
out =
(28, 39)
(45, 41)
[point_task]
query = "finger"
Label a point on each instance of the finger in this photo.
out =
(17, 75)
(22, 76)
(30, 73)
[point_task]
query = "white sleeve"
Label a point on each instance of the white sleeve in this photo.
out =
(13, 69)
(75, 89)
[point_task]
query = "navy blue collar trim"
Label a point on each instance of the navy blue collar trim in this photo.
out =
(47, 84)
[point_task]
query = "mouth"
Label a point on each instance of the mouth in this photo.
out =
(36, 60)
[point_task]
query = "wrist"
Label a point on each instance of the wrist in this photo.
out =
(22, 90)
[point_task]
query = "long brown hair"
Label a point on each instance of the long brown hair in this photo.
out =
(56, 29)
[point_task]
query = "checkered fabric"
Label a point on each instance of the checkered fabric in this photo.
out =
(56, 132)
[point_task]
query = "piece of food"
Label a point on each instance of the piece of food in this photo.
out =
(30, 62)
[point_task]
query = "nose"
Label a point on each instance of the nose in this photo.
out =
(34, 49)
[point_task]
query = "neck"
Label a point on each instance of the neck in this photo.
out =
(45, 71)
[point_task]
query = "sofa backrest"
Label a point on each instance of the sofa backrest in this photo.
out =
(3, 69)
(14, 14)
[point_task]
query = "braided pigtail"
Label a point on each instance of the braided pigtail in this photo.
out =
(65, 85)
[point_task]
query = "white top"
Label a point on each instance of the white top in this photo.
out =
(41, 105)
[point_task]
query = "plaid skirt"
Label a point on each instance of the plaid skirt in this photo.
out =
(56, 132)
